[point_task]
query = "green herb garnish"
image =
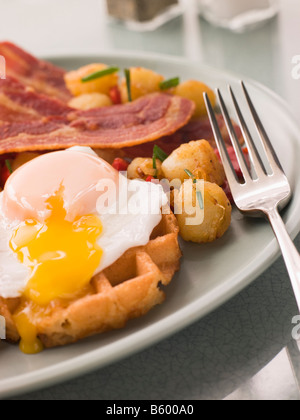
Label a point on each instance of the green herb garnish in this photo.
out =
(200, 199)
(8, 165)
(198, 193)
(171, 83)
(159, 154)
(128, 84)
(189, 173)
(154, 165)
(99, 74)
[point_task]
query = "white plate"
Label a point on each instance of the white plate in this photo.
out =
(210, 274)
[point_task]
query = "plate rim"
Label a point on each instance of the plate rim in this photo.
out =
(80, 365)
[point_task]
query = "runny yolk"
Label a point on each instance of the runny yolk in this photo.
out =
(30, 343)
(62, 257)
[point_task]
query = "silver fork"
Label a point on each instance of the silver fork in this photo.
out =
(264, 190)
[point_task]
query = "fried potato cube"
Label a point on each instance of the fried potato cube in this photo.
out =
(103, 85)
(193, 90)
(212, 222)
(90, 101)
(199, 158)
(143, 82)
(143, 168)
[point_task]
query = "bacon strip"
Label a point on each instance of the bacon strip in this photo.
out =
(33, 122)
(40, 75)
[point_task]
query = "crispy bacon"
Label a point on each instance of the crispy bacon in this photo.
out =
(24, 104)
(30, 121)
(34, 115)
(42, 76)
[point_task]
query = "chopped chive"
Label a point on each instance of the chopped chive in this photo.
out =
(128, 84)
(189, 173)
(99, 74)
(159, 154)
(198, 193)
(8, 165)
(200, 199)
(171, 83)
(154, 162)
(155, 166)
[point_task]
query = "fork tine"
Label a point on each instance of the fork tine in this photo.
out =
(254, 155)
(235, 142)
(229, 170)
(269, 150)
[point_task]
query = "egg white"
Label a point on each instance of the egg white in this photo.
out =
(13, 275)
(124, 231)
(121, 231)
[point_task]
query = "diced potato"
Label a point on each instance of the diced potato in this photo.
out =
(143, 82)
(143, 167)
(23, 158)
(193, 90)
(74, 82)
(90, 101)
(199, 158)
(212, 222)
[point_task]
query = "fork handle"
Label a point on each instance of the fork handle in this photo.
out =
(289, 251)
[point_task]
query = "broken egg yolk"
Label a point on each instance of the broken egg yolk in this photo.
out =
(62, 257)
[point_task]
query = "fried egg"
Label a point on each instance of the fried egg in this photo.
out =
(61, 224)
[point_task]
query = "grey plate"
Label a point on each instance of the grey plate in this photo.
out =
(210, 274)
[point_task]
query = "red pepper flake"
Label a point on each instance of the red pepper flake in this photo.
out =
(150, 178)
(120, 165)
(115, 95)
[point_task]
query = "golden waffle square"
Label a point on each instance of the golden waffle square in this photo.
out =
(128, 289)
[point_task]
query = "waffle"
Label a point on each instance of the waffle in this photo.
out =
(127, 289)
